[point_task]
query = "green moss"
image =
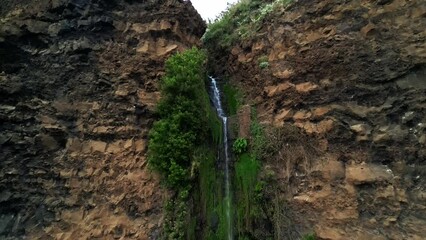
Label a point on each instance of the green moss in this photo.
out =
(232, 98)
(246, 171)
(212, 201)
(207, 181)
(214, 123)
(309, 237)
(191, 232)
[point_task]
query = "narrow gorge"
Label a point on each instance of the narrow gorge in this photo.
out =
(313, 126)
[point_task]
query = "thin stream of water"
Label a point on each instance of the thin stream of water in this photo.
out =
(218, 105)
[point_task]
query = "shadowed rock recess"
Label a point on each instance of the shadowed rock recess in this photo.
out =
(351, 76)
(72, 142)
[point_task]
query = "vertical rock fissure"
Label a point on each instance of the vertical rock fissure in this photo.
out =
(215, 95)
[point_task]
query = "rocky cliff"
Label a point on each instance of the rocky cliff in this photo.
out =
(351, 76)
(78, 82)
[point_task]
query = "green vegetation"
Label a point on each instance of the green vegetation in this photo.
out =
(182, 111)
(263, 62)
(176, 140)
(177, 214)
(211, 195)
(264, 65)
(240, 21)
(232, 98)
(309, 237)
(240, 145)
(246, 170)
(250, 189)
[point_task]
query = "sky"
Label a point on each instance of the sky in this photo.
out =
(210, 9)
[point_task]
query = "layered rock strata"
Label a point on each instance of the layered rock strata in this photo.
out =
(352, 76)
(78, 85)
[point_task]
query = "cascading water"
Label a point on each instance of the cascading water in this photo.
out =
(218, 105)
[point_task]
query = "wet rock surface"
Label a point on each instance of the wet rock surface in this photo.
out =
(351, 76)
(78, 84)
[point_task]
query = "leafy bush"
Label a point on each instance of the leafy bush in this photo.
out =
(240, 146)
(182, 113)
(186, 119)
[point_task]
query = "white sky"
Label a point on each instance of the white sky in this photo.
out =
(210, 9)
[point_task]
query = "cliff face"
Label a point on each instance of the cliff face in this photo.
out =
(352, 76)
(72, 161)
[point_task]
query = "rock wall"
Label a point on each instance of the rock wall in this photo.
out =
(78, 83)
(352, 76)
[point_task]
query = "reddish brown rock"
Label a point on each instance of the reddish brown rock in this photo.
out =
(301, 115)
(285, 74)
(244, 121)
(278, 89)
(357, 90)
(306, 87)
(368, 173)
(71, 73)
(283, 115)
(320, 112)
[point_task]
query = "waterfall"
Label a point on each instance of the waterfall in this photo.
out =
(228, 200)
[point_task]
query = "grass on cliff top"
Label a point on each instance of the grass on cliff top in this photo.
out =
(239, 21)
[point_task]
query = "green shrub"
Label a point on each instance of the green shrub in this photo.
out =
(240, 146)
(263, 61)
(309, 237)
(182, 113)
(186, 121)
(231, 25)
(239, 21)
(264, 65)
